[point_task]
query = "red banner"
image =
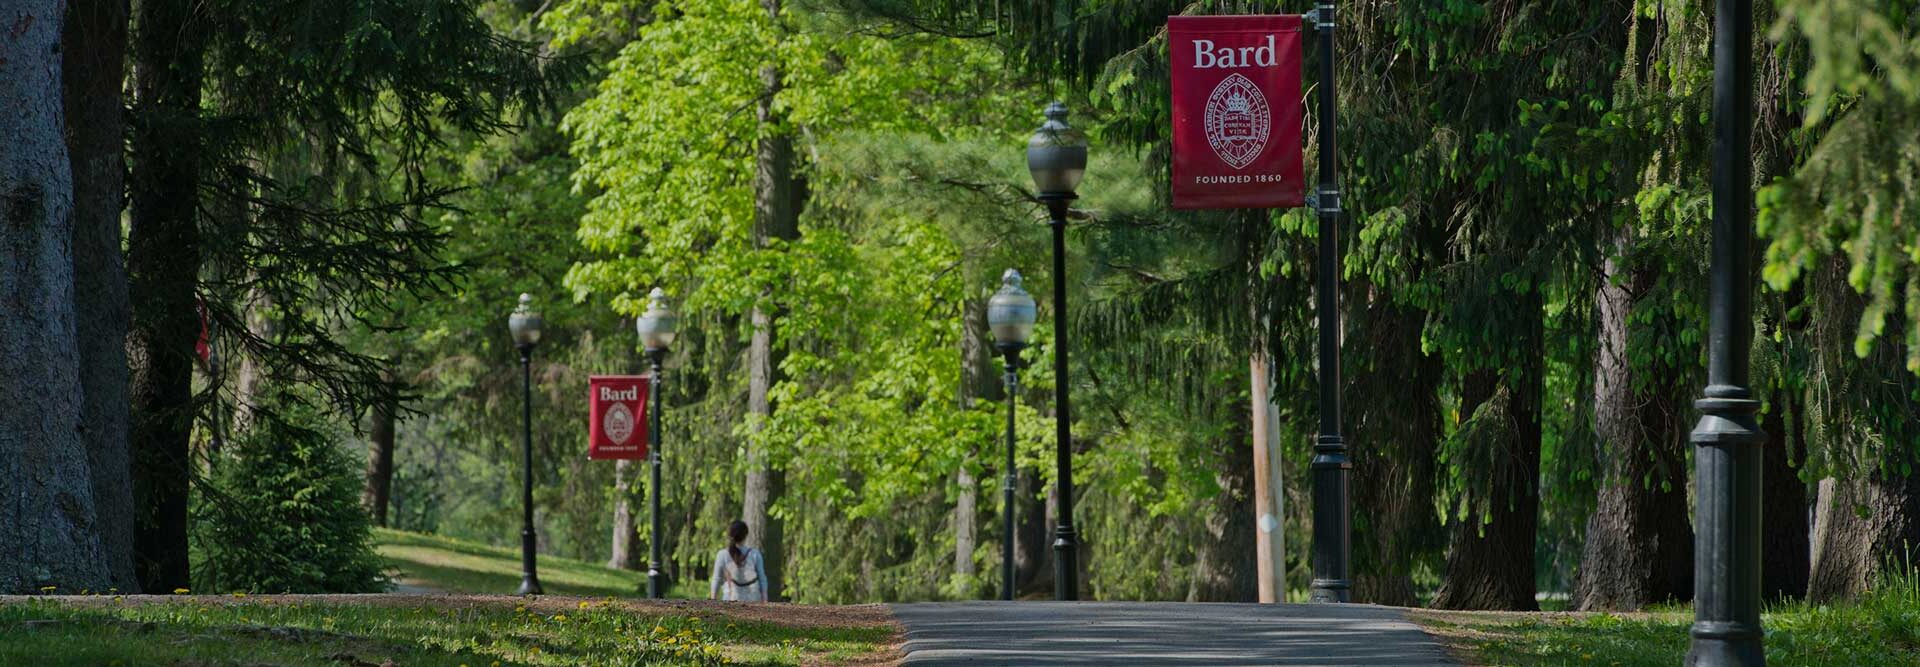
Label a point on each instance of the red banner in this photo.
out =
(1237, 111)
(618, 414)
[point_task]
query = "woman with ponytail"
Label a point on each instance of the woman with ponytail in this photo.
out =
(739, 574)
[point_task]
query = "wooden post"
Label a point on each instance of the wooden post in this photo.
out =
(1268, 488)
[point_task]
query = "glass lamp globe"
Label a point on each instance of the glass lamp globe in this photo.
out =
(525, 323)
(658, 325)
(1057, 154)
(1011, 313)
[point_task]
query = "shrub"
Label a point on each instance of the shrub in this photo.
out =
(281, 512)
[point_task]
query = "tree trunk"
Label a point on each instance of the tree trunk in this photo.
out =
(776, 216)
(95, 49)
(1491, 564)
(163, 260)
(1858, 525)
(46, 490)
(1639, 544)
(624, 533)
(977, 383)
(1395, 411)
(249, 379)
(1224, 560)
(380, 461)
(1784, 538)
(1033, 536)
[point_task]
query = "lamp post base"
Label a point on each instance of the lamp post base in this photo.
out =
(1716, 644)
(529, 585)
(1066, 564)
(656, 582)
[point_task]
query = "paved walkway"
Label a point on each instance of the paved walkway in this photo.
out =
(1154, 634)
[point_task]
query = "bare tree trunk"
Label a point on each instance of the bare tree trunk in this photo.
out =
(163, 261)
(1859, 524)
(95, 48)
(1639, 544)
(777, 200)
(977, 382)
(380, 441)
(1491, 565)
(623, 556)
(46, 491)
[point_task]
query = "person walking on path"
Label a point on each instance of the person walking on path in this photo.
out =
(739, 572)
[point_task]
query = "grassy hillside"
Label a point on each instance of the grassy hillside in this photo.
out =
(442, 564)
(437, 631)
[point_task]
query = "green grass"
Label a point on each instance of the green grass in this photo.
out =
(458, 566)
(408, 631)
(1881, 629)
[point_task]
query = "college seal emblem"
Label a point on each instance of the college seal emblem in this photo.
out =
(617, 424)
(1237, 121)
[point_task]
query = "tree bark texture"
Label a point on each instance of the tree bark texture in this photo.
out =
(163, 260)
(1033, 536)
(624, 556)
(1639, 543)
(1864, 416)
(46, 489)
(1224, 559)
(977, 383)
(1490, 564)
(1393, 410)
(776, 217)
(1859, 525)
(95, 51)
(380, 442)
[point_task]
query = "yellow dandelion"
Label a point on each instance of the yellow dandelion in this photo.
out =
(583, 604)
(180, 591)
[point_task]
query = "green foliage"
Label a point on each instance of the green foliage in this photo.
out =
(1852, 196)
(282, 514)
(319, 122)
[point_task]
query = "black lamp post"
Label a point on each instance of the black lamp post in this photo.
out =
(525, 325)
(1057, 158)
(1726, 562)
(657, 327)
(1332, 515)
(1010, 314)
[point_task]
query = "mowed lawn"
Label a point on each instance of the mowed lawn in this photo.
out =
(590, 616)
(1882, 629)
(374, 630)
(443, 564)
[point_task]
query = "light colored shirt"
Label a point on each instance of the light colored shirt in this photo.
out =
(739, 582)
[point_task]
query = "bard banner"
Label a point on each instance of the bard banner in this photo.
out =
(618, 410)
(1237, 110)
